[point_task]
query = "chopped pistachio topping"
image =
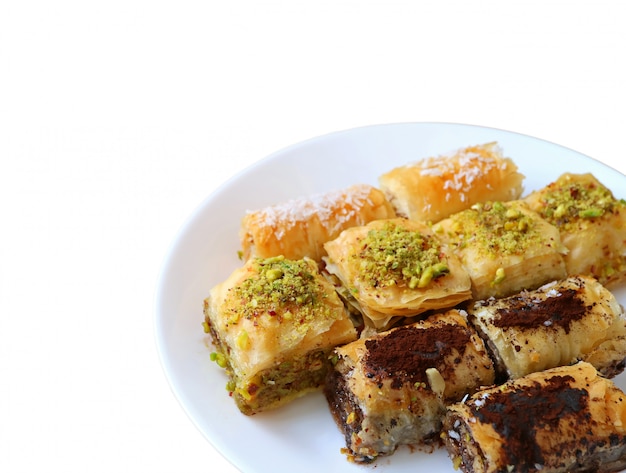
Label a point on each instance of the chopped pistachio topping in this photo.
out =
(499, 228)
(219, 358)
(394, 255)
(565, 204)
(499, 277)
(280, 288)
(243, 340)
(205, 327)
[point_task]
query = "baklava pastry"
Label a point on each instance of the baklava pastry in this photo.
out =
(563, 420)
(299, 228)
(436, 187)
(396, 268)
(505, 247)
(273, 322)
(392, 388)
(558, 324)
(592, 223)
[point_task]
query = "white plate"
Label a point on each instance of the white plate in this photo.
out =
(302, 436)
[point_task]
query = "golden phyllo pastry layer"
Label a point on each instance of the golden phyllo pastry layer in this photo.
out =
(592, 224)
(299, 228)
(434, 188)
(391, 388)
(563, 420)
(505, 247)
(273, 322)
(557, 324)
(396, 268)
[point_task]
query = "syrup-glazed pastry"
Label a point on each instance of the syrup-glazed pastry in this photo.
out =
(558, 324)
(273, 322)
(564, 420)
(436, 187)
(505, 247)
(396, 268)
(391, 388)
(299, 228)
(592, 224)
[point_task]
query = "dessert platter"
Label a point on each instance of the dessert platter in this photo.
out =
(404, 296)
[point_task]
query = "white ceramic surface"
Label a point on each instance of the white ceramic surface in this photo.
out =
(302, 436)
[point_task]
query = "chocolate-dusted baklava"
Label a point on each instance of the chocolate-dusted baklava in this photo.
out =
(273, 322)
(505, 247)
(564, 420)
(436, 187)
(557, 324)
(391, 388)
(591, 221)
(299, 227)
(396, 268)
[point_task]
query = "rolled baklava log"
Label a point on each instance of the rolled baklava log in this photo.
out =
(436, 187)
(564, 420)
(592, 224)
(505, 247)
(396, 268)
(299, 228)
(273, 322)
(557, 324)
(391, 389)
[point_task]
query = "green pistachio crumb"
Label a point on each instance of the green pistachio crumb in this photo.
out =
(280, 288)
(499, 277)
(591, 212)
(496, 227)
(564, 204)
(219, 358)
(394, 255)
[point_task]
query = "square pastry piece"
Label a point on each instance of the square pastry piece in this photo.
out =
(434, 188)
(592, 223)
(299, 228)
(396, 268)
(563, 420)
(391, 389)
(273, 322)
(505, 247)
(558, 324)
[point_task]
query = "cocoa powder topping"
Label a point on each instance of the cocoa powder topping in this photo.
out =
(558, 310)
(405, 354)
(517, 415)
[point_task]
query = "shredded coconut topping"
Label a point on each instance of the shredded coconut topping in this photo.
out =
(553, 293)
(332, 209)
(460, 169)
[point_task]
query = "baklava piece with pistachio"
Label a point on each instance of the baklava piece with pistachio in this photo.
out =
(592, 223)
(391, 388)
(566, 419)
(274, 322)
(505, 247)
(396, 268)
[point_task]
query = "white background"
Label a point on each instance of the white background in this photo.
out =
(118, 118)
